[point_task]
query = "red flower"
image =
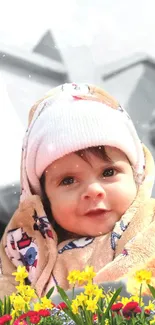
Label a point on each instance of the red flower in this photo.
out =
(23, 316)
(44, 313)
(20, 322)
(35, 319)
(131, 305)
(131, 308)
(114, 313)
(137, 310)
(147, 312)
(31, 313)
(95, 317)
(117, 307)
(5, 318)
(62, 305)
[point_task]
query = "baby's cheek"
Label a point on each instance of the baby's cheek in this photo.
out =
(122, 197)
(126, 200)
(63, 207)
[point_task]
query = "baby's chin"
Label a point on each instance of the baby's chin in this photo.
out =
(96, 233)
(102, 229)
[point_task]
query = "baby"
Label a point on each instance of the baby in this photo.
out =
(86, 181)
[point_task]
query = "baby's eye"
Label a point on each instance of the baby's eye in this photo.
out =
(67, 180)
(109, 172)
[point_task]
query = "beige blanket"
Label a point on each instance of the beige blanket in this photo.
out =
(30, 240)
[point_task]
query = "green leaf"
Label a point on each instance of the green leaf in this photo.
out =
(113, 299)
(1, 308)
(152, 289)
(7, 305)
(100, 311)
(49, 293)
(4, 304)
(64, 296)
(76, 318)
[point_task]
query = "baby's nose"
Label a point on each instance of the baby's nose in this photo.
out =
(93, 191)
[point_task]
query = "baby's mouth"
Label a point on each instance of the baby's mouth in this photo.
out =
(96, 212)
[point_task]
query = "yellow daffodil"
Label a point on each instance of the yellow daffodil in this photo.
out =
(93, 290)
(150, 305)
(12, 297)
(44, 303)
(133, 286)
(118, 298)
(76, 276)
(139, 280)
(19, 304)
(21, 274)
(30, 292)
(37, 306)
(136, 299)
(98, 292)
(90, 289)
(152, 322)
(143, 276)
(26, 291)
(73, 276)
(82, 278)
(89, 273)
(125, 300)
(81, 299)
(75, 306)
(13, 313)
(92, 305)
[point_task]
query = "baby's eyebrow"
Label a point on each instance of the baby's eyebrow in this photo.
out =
(63, 173)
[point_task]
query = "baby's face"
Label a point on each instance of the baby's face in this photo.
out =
(89, 198)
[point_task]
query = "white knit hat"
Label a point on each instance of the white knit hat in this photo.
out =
(74, 117)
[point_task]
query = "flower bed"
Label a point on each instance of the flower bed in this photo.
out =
(92, 306)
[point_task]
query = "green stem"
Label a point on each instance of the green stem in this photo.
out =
(82, 316)
(117, 319)
(73, 292)
(132, 319)
(87, 317)
(140, 295)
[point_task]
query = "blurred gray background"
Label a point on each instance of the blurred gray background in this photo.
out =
(42, 44)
